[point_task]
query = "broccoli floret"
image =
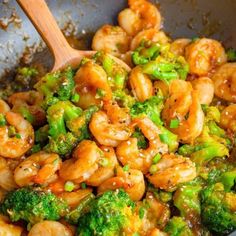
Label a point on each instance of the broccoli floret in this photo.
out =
(32, 206)
(142, 142)
(211, 143)
(218, 211)
(123, 98)
(231, 54)
(146, 52)
(25, 75)
(56, 86)
(178, 227)
(152, 108)
(107, 215)
(61, 141)
(117, 74)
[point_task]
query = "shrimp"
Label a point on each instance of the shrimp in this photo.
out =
(116, 114)
(107, 133)
(184, 101)
(74, 198)
(157, 232)
(106, 170)
(111, 39)
(90, 79)
(4, 108)
(179, 45)
(22, 138)
(141, 84)
(204, 55)
(83, 164)
(39, 168)
(8, 229)
(128, 152)
(29, 101)
(149, 35)
(205, 89)
(172, 170)
(225, 82)
(156, 214)
(132, 181)
(161, 86)
(49, 228)
(140, 15)
(228, 118)
(7, 181)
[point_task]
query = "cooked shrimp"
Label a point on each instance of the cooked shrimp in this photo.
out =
(89, 79)
(161, 86)
(29, 101)
(156, 214)
(49, 228)
(7, 181)
(157, 232)
(225, 82)
(140, 15)
(204, 55)
(228, 118)
(4, 108)
(132, 181)
(39, 168)
(152, 35)
(107, 133)
(128, 152)
(7, 229)
(205, 89)
(116, 114)
(184, 101)
(84, 163)
(179, 45)
(106, 170)
(74, 198)
(111, 39)
(23, 139)
(141, 84)
(172, 170)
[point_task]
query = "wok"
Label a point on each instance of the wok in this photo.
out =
(182, 18)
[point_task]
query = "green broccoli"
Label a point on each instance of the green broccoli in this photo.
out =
(25, 75)
(231, 54)
(146, 52)
(142, 141)
(211, 143)
(178, 227)
(106, 215)
(32, 205)
(117, 74)
(56, 86)
(123, 98)
(218, 208)
(152, 108)
(68, 125)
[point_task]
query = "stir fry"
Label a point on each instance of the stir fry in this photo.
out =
(99, 150)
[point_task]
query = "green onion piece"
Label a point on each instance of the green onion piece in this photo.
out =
(231, 54)
(153, 169)
(75, 97)
(35, 148)
(18, 136)
(100, 93)
(2, 120)
(126, 168)
(174, 123)
(136, 234)
(69, 186)
(156, 158)
(83, 185)
(164, 138)
(141, 212)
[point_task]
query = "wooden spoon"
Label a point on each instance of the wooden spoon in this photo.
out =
(44, 22)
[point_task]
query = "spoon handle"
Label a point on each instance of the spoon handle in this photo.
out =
(43, 20)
